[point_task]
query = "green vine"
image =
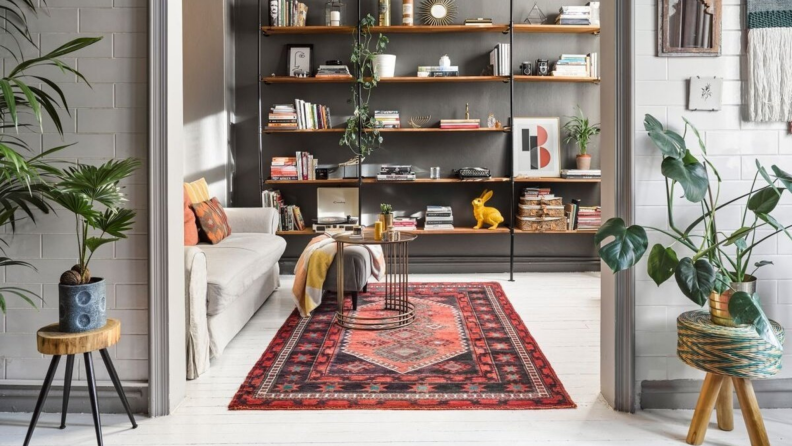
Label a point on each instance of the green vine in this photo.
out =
(362, 134)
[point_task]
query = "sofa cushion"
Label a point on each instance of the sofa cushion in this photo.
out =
(213, 224)
(198, 191)
(190, 226)
(235, 263)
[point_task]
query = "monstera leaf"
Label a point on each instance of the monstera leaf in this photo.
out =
(662, 263)
(786, 179)
(747, 309)
(627, 247)
(691, 175)
(764, 201)
(695, 279)
(670, 143)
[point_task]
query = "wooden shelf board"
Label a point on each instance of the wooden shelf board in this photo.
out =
(447, 79)
(428, 181)
(303, 232)
(334, 130)
(308, 182)
(556, 29)
(307, 80)
(558, 79)
(286, 30)
(401, 130)
(577, 231)
(557, 180)
(428, 29)
(465, 231)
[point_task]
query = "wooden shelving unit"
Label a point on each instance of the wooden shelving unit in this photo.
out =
(524, 28)
(558, 79)
(438, 181)
(558, 180)
(519, 28)
(270, 80)
(466, 231)
(401, 130)
(314, 182)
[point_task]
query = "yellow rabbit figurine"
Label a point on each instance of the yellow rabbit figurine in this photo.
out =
(485, 215)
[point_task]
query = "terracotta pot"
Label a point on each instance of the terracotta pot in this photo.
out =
(583, 162)
(719, 303)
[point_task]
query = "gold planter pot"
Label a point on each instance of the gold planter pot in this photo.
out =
(387, 221)
(719, 303)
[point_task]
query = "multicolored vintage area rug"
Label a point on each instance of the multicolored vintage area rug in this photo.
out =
(468, 349)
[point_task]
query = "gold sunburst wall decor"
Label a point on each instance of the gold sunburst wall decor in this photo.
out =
(438, 12)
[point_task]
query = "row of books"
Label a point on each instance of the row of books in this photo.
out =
(301, 115)
(405, 224)
(396, 173)
(439, 218)
(589, 218)
(500, 60)
(387, 119)
(300, 167)
(333, 71)
(581, 174)
(479, 21)
(438, 71)
(460, 124)
(287, 13)
(574, 15)
(577, 65)
(291, 218)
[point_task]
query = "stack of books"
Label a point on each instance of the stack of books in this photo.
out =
(574, 15)
(438, 71)
(571, 211)
(272, 199)
(312, 116)
(581, 174)
(287, 13)
(387, 119)
(537, 192)
(460, 124)
(283, 168)
(291, 218)
(282, 117)
(439, 218)
(500, 60)
(480, 21)
(589, 218)
(396, 173)
(339, 71)
(575, 65)
(405, 224)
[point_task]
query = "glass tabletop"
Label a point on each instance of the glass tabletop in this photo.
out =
(368, 238)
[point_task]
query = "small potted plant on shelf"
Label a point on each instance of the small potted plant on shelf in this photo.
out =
(83, 190)
(707, 262)
(580, 131)
(386, 215)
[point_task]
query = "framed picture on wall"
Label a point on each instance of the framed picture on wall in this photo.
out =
(536, 147)
(705, 93)
(299, 60)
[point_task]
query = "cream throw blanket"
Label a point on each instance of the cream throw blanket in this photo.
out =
(311, 271)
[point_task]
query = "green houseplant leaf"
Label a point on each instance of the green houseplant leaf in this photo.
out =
(662, 263)
(691, 176)
(670, 143)
(786, 179)
(764, 201)
(696, 279)
(627, 247)
(747, 309)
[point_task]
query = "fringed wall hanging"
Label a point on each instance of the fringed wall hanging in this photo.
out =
(770, 60)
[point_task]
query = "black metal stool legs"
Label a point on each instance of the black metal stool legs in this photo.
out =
(117, 383)
(67, 381)
(42, 397)
(89, 369)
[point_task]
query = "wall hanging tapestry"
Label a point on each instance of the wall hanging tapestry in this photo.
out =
(468, 349)
(769, 60)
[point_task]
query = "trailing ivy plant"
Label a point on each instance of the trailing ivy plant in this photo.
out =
(26, 177)
(362, 134)
(714, 259)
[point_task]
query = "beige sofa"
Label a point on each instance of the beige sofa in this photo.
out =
(227, 283)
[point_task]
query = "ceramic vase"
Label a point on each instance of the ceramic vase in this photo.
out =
(583, 162)
(82, 307)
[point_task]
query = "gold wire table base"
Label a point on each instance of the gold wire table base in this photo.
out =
(397, 280)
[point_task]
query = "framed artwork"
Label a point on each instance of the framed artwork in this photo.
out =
(536, 147)
(299, 58)
(705, 93)
(689, 27)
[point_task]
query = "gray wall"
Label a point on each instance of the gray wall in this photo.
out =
(449, 151)
(206, 132)
(106, 121)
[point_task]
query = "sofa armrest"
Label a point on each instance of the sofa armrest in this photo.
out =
(255, 220)
(197, 338)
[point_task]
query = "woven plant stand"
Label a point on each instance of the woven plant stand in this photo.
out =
(732, 357)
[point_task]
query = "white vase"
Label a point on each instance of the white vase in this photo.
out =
(385, 65)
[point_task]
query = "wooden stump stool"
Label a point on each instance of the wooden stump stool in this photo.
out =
(52, 342)
(730, 356)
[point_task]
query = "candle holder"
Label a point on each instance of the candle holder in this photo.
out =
(335, 11)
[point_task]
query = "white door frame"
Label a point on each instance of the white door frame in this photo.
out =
(167, 339)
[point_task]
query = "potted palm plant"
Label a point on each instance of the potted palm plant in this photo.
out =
(94, 196)
(25, 179)
(707, 263)
(580, 131)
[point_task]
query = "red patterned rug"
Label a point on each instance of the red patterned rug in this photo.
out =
(468, 349)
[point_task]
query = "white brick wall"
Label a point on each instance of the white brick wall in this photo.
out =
(661, 90)
(108, 120)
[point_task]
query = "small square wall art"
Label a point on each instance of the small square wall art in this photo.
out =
(536, 147)
(706, 93)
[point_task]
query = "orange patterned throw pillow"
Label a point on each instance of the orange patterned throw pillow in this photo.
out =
(212, 221)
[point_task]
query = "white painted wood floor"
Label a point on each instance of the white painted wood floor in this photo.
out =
(560, 310)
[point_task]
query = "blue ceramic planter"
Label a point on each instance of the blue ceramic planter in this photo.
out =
(83, 307)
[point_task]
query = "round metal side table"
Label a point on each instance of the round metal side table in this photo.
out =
(400, 312)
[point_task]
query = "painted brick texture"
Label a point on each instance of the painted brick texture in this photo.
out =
(661, 90)
(108, 119)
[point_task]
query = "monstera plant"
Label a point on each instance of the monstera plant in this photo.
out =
(707, 262)
(28, 98)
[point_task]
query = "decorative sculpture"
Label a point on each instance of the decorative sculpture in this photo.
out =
(486, 215)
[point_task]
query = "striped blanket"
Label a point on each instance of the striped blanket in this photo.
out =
(769, 60)
(311, 271)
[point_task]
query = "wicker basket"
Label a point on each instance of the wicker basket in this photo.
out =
(557, 201)
(541, 224)
(552, 211)
(524, 210)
